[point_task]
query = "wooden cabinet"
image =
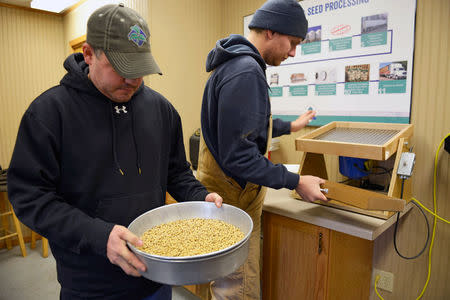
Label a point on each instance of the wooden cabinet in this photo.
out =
(304, 261)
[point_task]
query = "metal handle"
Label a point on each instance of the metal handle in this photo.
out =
(320, 243)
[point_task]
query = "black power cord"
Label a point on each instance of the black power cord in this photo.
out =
(396, 226)
(447, 144)
(386, 170)
(368, 172)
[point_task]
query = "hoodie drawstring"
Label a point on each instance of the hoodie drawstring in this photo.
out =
(133, 129)
(114, 147)
(113, 129)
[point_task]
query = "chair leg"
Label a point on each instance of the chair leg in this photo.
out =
(33, 240)
(44, 243)
(44, 247)
(4, 206)
(19, 234)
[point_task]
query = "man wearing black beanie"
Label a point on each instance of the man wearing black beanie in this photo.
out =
(237, 127)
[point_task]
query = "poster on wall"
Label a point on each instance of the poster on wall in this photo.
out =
(355, 63)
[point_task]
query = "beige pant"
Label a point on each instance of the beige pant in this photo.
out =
(244, 283)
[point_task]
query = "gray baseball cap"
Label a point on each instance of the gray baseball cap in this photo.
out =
(123, 35)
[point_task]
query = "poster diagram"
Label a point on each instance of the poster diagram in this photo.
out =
(355, 63)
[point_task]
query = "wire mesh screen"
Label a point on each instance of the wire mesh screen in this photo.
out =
(358, 135)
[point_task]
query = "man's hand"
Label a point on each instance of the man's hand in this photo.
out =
(214, 197)
(119, 254)
(302, 121)
(309, 188)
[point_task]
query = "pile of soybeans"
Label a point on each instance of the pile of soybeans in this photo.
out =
(190, 237)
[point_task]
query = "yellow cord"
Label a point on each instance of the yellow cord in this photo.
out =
(423, 206)
(435, 216)
(376, 291)
(434, 223)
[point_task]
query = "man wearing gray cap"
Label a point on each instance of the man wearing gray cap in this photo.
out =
(237, 127)
(94, 153)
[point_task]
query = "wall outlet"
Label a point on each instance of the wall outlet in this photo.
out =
(386, 281)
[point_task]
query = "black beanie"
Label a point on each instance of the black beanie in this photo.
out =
(282, 16)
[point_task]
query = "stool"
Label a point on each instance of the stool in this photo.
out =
(8, 234)
(34, 235)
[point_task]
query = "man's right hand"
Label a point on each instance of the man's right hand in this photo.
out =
(119, 254)
(309, 188)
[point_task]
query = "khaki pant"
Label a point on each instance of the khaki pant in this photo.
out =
(244, 283)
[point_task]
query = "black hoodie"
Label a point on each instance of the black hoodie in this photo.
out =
(235, 115)
(65, 179)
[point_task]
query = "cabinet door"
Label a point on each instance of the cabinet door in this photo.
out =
(349, 267)
(295, 259)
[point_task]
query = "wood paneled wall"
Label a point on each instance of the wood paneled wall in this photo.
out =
(234, 12)
(182, 34)
(31, 55)
(31, 52)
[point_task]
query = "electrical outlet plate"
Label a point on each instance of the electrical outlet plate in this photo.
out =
(386, 281)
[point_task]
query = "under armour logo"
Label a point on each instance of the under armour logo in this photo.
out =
(119, 109)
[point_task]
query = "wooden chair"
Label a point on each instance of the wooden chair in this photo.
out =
(34, 236)
(7, 211)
